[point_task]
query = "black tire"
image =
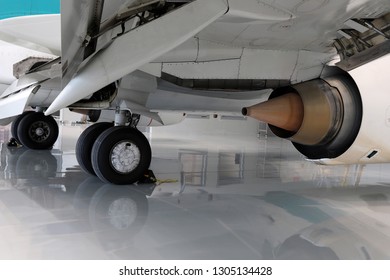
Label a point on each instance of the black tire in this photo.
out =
(15, 124)
(116, 145)
(85, 143)
(37, 131)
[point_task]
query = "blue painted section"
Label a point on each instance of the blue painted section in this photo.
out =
(299, 206)
(17, 8)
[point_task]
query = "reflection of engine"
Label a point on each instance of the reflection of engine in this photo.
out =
(324, 119)
(297, 248)
(336, 223)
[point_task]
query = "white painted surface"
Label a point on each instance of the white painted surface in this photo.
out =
(372, 80)
(39, 33)
(11, 54)
(141, 46)
(15, 104)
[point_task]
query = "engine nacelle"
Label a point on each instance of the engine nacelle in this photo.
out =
(321, 117)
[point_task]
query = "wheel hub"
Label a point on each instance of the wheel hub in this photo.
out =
(125, 157)
(122, 213)
(39, 131)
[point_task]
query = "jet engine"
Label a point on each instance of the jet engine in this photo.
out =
(321, 117)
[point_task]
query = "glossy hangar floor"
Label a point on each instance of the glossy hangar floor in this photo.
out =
(225, 190)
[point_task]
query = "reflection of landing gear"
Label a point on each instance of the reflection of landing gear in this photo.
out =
(33, 166)
(36, 165)
(35, 131)
(115, 214)
(118, 155)
(123, 210)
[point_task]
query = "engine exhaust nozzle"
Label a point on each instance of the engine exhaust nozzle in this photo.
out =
(284, 111)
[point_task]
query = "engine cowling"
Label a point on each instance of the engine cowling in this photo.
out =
(321, 117)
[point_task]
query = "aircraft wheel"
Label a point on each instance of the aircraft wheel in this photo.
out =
(85, 143)
(15, 124)
(121, 155)
(37, 131)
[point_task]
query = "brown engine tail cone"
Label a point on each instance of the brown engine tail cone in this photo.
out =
(284, 112)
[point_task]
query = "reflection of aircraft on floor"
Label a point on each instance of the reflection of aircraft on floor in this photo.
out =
(147, 62)
(141, 221)
(113, 215)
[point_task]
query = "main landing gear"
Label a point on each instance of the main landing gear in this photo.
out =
(117, 154)
(35, 131)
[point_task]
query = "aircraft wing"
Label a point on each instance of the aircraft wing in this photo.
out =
(264, 41)
(39, 33)
(123, 52)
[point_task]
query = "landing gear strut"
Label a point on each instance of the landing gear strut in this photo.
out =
(35, 131)
(119, 154)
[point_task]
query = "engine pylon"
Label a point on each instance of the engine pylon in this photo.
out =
(284, 111)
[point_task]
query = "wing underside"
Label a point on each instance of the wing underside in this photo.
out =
(256, 39)
(216, 45)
